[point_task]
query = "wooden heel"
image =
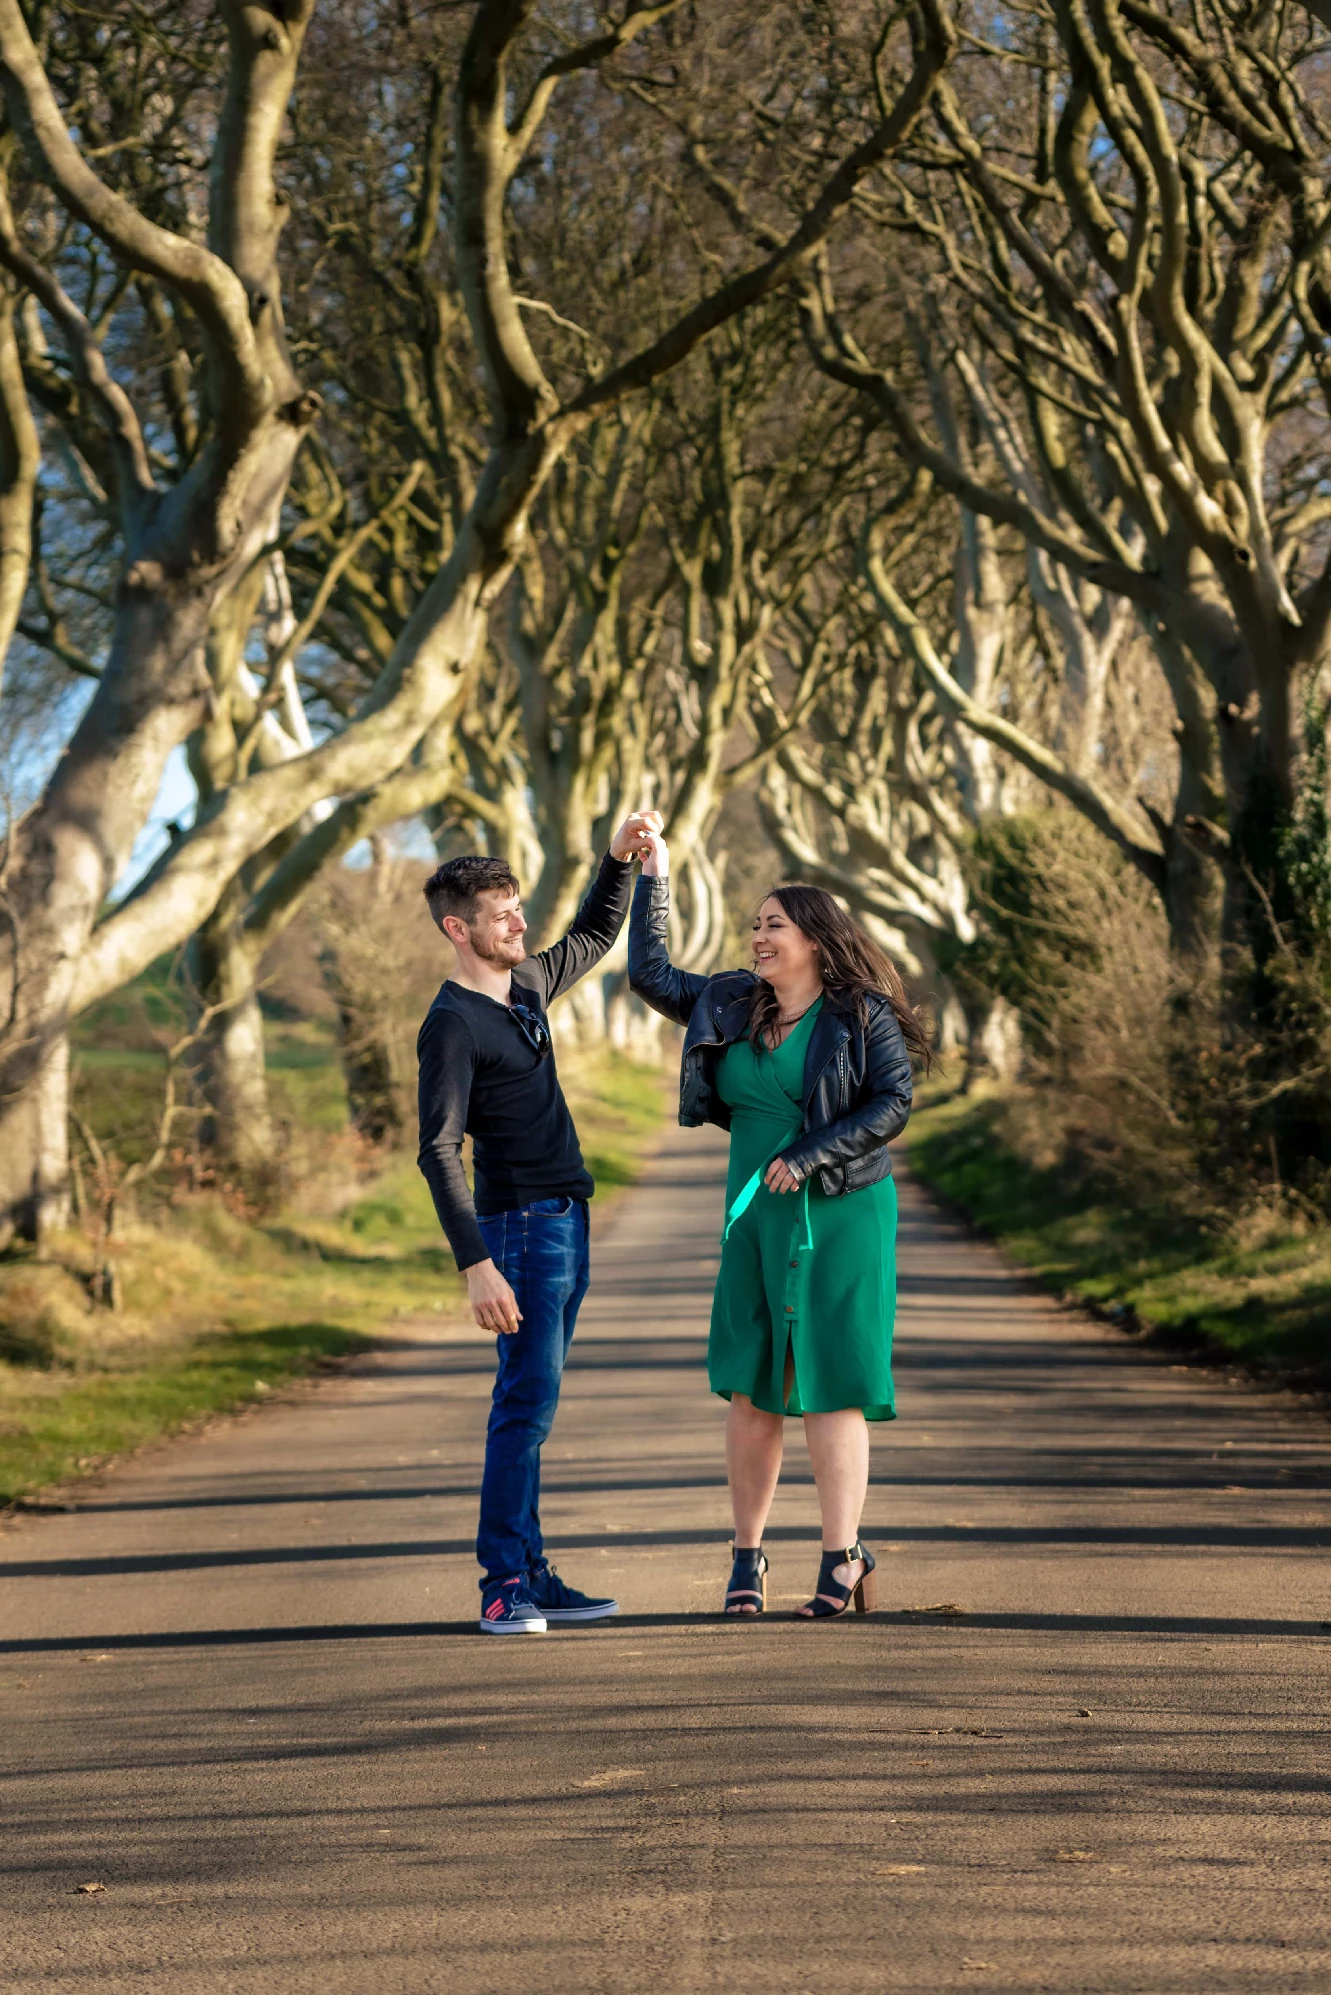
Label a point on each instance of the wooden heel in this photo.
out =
(829, 1589)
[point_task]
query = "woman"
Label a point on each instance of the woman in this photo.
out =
(806, 1059)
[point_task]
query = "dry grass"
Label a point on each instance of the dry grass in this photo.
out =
(219, 1309)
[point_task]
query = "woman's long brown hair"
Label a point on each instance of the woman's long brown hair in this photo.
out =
(850, 963)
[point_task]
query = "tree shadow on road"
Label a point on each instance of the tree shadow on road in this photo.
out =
(864, 1626)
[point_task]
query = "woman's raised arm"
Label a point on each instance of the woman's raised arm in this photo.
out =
(652, 975)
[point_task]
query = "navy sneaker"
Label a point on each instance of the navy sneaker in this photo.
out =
(564, 1603)
(507, 1608)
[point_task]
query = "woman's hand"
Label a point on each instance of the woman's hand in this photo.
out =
(780, 1177)
(656, 858)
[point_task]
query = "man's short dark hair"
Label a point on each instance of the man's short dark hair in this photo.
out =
(452, 888)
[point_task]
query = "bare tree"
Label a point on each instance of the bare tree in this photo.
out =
(187, 548)
(1127, 209)
(184, 547)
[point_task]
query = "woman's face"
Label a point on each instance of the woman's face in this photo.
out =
(782, 953)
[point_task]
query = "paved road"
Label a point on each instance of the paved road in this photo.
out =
(240, 1689)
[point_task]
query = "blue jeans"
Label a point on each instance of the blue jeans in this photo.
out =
(542, 1252)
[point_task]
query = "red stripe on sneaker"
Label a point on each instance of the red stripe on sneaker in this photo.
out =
(494, 1610)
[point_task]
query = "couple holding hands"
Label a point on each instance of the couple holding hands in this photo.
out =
(805, 1058)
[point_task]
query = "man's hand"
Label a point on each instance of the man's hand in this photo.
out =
(493, 1302)
(780, 1177)
(633, 839)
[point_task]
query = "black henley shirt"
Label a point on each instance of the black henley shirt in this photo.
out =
(480, 1077)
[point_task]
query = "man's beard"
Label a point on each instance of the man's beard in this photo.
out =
(503, 954)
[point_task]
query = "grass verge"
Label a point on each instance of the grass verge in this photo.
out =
(220, 1311)
(49, 1436)
(1265, 1306)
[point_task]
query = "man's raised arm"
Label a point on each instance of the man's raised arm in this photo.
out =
(602, 914)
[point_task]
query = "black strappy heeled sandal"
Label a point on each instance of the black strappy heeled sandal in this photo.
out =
(748, 1582)
(864, 1592)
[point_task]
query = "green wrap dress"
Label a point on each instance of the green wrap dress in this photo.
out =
(799, 1271)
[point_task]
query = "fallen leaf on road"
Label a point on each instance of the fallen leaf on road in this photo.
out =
(86, 1890)
(612, 1773)
(1083, 1712)
(1075, 1856)
(943, 1607)
(105, 1656)
(958, 1731)
(899, 1869)
(979, 1963)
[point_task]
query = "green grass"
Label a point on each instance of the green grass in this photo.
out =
(1266, 1306)
(618, 1106)
(219, 1310)
(49, 1436)
(305, 1081)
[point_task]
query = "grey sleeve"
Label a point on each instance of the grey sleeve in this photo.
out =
(446, 1053)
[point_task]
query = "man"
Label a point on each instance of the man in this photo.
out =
(487, 1070)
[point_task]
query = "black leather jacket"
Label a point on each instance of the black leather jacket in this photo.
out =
(857, 1078)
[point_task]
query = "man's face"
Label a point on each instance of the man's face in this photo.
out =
(496, 935)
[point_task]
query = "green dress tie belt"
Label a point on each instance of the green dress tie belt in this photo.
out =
(748, 1191)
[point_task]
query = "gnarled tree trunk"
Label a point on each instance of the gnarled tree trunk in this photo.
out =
(230, 1068)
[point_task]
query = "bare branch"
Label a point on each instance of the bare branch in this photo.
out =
(89, 362)
(215, 292)
(1140, 844)
(936, 44)
(299, 636)
(20, 461)
(587, 55)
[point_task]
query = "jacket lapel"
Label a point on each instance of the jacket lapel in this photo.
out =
(829, 1035)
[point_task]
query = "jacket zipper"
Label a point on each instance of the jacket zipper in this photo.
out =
(838, 1056)
(841, 1058)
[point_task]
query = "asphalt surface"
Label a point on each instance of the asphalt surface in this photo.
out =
(240, 1686)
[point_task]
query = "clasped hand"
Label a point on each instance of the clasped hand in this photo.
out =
(636, 835)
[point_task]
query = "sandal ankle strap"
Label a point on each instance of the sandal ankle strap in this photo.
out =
(844, 1558)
